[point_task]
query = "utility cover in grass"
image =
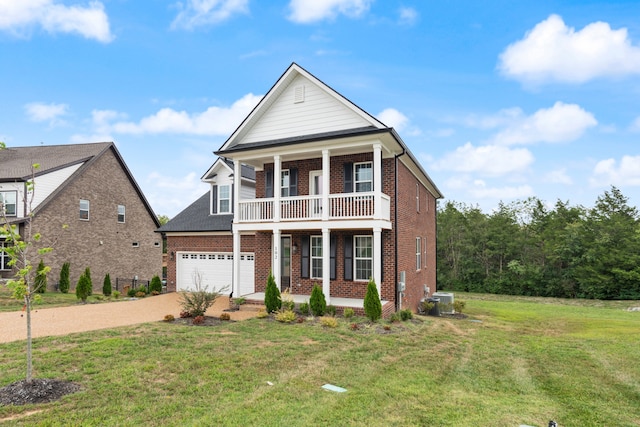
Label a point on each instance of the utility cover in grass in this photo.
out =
(335, 388)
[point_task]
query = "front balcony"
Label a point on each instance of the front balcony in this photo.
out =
(310, 208)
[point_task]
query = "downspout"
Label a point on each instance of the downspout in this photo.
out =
(395, 220)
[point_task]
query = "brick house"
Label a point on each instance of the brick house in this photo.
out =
(339, 199)
(88, 187)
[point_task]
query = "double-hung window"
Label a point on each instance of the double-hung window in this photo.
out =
(418, 253)
(316, 257)
(84, 209)
(284, 183)
(363, 259)
(363, 177)
(4, 257)
(224, 199)
(8, 202)
(121, 213)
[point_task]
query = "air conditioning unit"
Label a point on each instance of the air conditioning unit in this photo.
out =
(446, 302)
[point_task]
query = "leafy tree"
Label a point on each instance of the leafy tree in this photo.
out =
(317, 301)
(272, 299)
(372, 304)
(163, 219)
(64, 278)
(156, 284)
(82, 288)
(106, 285)
(87, 273)
(40, 282)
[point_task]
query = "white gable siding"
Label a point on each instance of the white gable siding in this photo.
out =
(19, 187)
(319, 112)
(48, 183)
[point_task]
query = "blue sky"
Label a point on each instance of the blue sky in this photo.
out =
(500, 100)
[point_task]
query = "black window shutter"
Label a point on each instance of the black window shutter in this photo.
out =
(332, 253)
(268, 183)
(214, 203)
(348, 177)
(293, 181)
(348, 258)
(304, 266)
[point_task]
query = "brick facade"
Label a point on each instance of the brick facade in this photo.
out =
(123, 250)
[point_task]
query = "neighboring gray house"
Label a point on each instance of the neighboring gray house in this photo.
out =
(88, 188)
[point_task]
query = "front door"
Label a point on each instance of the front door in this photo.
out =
(285, 263)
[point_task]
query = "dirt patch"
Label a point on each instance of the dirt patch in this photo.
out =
(41, 390)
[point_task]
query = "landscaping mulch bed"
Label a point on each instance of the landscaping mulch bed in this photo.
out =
(39, 390)
(208, 321)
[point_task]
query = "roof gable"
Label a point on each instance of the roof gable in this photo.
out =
(299, 104)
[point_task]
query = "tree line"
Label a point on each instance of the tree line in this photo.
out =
(528, 248)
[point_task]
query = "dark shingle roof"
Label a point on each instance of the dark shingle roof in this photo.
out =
(196, 217)
(16, 162)
(245, 171)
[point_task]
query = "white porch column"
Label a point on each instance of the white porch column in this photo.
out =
(326, 174)
(237, 182)
(377, 258)
(277, 176)
(326, 264)
(235, 287)
(275, 257)
(377, 181)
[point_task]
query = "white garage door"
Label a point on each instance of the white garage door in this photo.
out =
(215, 270)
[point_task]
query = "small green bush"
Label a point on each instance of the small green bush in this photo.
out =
(317, 302)
(286, 316)
(169, 318)
(348, 312)
(239, 301)
(329, 321)
(116, 294)
(40, 282)
(395, 317)
(87, 273)
(406, 314)
(372, 304)
(459, 306)
(131, 293)
(272, 295)
(140, 294)
(225, 316)
(83, 288)
(331, 310)
(155, 285)
(303, 308)
(106, 285)
(64, 278)
(262, 313)
(142, 289)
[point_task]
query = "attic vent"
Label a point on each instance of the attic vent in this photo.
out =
(298, 94)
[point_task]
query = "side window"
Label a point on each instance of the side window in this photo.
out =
(284, 183)
(84, 209)
(8, 202)
(224, 199)
(363, 177)
(316, 257)
(418, 253)
(121, 213)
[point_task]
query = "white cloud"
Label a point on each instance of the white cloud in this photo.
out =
(207, 12)
(41, 112)
(173, 193)
(480, 190)
(558, 177)
(307, 11)
(492, 121)
(19, 16)
(488, 160)
(635, 126)
(407, 16)
(213, 121)
(393, 118)
(609, 172)
(560, 123)
(554, 52)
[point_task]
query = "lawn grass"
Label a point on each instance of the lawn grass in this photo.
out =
(47, 300)
(521, 361)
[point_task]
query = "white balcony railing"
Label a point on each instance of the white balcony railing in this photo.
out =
(301, 208)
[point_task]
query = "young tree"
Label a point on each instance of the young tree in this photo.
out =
(372, 304)
(317, 301)
(106, 285)
(64, 278)
(272, 295)
(156, 284)
(87, 273)
(82, 288)
(40, 281)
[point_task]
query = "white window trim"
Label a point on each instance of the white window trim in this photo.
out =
(285, 188)
(123, 214)
(356, 258)
(312, 257)
(4, 258)
(15, 202)
(88, 210)
(355, 177)
(418, 253)
(220, 199)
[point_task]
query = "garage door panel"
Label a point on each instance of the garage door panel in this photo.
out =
(215, 270)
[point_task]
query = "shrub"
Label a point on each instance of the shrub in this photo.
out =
(155, 285)
(331, 310)
(348, 312)
(329, 322)
(185, 314)
(116, 294)
(239, 301)
(426, 306)
(143, 289)
(287, 300)
(354, 326)
(225, 316)
(317, 302)
(131, 293)
(387, 327)
(169, 318)
(262, 313)
(459, 305)
(87, 273)
(272, 295)
(40, 281)
(372, 304)
(64, 278)
(406, 314)
(300, 319)
(83, 288)
(198, 320)
(155, 293)
(140, 294)
(395, 317)
(197, 302)
(286, 316)
(303, 308)
(106, 285)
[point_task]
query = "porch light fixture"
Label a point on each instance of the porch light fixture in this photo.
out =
(171, 255)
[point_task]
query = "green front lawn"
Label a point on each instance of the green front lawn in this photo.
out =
(47, 300)
(518, 362)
